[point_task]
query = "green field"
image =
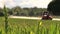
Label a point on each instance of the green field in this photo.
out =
(28, 26)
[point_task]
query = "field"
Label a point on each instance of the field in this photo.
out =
(29, 26)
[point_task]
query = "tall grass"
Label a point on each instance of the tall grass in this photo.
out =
(6, 19)
(24, 26)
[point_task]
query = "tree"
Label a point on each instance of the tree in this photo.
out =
(16, 10)
(9, 11)
(31, 13)
(26, 11)
(1, 12)
(54, 7)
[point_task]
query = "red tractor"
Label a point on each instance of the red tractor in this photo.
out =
(46, 16)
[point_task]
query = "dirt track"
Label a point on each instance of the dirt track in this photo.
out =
(37, 18)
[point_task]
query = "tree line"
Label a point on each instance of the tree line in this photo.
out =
(18, 11)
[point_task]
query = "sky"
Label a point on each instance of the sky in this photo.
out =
(25, 3)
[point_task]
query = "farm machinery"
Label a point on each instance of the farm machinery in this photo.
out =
(46, 16)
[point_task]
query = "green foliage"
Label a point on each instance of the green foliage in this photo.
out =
(1, 12)
(27, 26)
(54, 7)
(18, 11)
(6, 19)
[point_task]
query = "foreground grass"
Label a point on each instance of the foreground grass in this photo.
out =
(26, 26)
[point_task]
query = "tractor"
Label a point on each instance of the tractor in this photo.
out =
(46, 16)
